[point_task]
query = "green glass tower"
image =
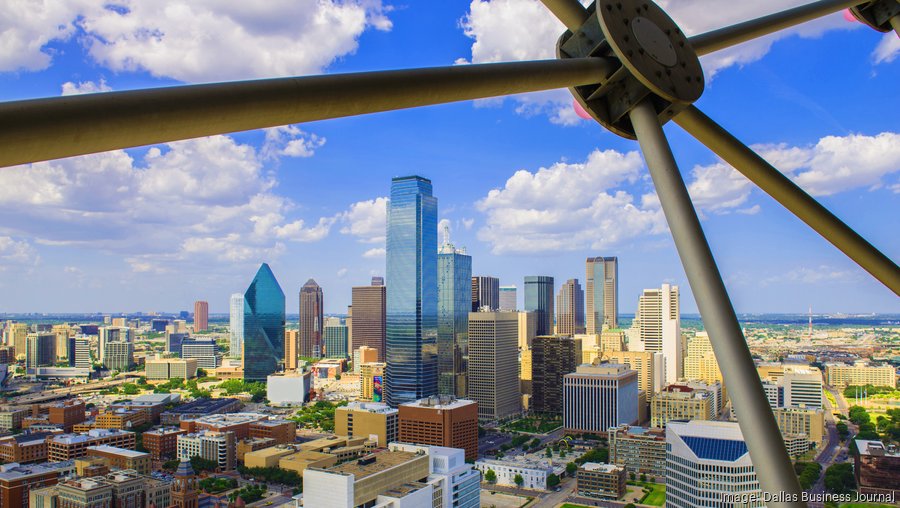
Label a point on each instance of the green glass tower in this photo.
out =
(263, 326)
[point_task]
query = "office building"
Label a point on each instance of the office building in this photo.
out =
(15, 335)
(169, 368)
(162, 443)
(454, 302)
(119, 355)
(485, 293)
(860, 374)
(363, 354)
(72, 446)
(204, 350)
(174, 341)
(24, 448)
(368, 419)
(612, 340)
(493, 365)
(335, 338)
(122, 458)
(803, 422)
(63, 333)
(40, 351)
(12, 419)
(371, 381)
(508, 299)
(263, 326)
(291, 349)
(707, 464)
(534, 471)
(312, 319)
(236, 325)
(218, 447)
(17, 481)
(159, 325)
(570, 308)
(292, 388)
(599, 396)
(600, 481)
(369, 315)
(539, 299)
(602, 293)
(877, 469)
(641, 450)
(658, 326)
(803, 387)
(681, 402)
(201, 316)
(441, 421)
(109, 334)
(552, 357)
(700, 362)
(412, 296)
(527, 328)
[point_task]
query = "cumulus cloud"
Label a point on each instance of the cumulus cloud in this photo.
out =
(201, 200)
(16, 253)
(513, 30)
(718, 188)
(569, 206)
(887, 50)
(290, 141)
(72, 88)
(377, 252)
(367, 220)
(203, 40)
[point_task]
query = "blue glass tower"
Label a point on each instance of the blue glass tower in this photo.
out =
(411, 345)
(263, 326)
(539, 299)
(454, 304)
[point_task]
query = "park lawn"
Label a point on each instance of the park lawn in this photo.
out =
(656, 497)
(570, 505)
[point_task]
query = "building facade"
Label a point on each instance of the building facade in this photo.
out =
(570, 308)
(236, 325)
(641, 450)
(441, 421)
(601, 293)
(658, 325)
(312, 320)
(597, 397)
(369, 317)
(508, 299)
(539, 299)
(368, 419)
(454, 302)
(600, 481)
(552, 357)
(335, 338)
(493, 365)
(201, 316)
(263, 326)
(485, 293)
(860, 374)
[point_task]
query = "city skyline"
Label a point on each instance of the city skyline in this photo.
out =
(204, 213)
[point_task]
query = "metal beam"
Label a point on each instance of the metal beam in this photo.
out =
(895, 24)
(770, 458)
(570, 12)
(792, 197)
(742, 32)
(43, 129)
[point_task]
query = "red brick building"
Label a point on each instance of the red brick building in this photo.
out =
(441, 421)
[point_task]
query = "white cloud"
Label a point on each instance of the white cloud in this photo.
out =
(367, 220)
(888, 49)
(377, 252)
(27, 26)
(209, 40)
(515, 30)
(569, 206)
(16, 253)
(342, 272)
(195, 201)
(71, 88)
(718, 188)
(290, 141)
(468, 223)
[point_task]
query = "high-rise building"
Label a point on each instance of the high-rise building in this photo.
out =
(658, 323)
(485, 293)
(201, 316)
(707, 464)
(648, 365)
(334, 338)
(363, 354)
(412, 295)
(118, 355)
(508, 298)
(203, 350)
(599, 396)
(15, 335)
(539, 299)
(602, 287)
(263, 326)
(552, 357)
(40, 351)
(369, 328)
(63, 334)
(441, 421)
(700, 362)
(312, 305)
(612, 339)
(218, 447)
(493, 364)
(454, 302)
(83, 358)
(236, 325)
(371, 382)
(291, 349)
(570, 308)
(681, 402)
(108, 334)
(527, 328)
(803, 388)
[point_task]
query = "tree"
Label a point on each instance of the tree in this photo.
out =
(562, 453)
(643, 477)
(633, 475)
(518, 480)
(490, 476)
(843, 430)
(130, 389)
(201, 464)
(548, 453)
(571, 467)
(201, 373)
(534, 443)
(552, 480)
(839, 478)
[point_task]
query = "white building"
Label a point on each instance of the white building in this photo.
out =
(657, 327)
(203, 350)
(289, 389)
(534, 471)
(597, 397)
(458, 482)
(215, 446)
(83, 358)
(236, 325)
(707, 464)
(802, 388)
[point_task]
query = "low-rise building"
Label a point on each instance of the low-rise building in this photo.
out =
(368, 419)
(639, 449)
(601, 481)
(860, 373)
(12, 420)
(237, 423)
(17, 481)
(877, 469)
(198, 408)
(282, 431)
(441, 421)
(289, 389)
(24, 448)
(681, 402)
(153, 403)
(169, 368)
(122, 458)
(267, 457)
(251, 444)
(804, 422)
(122, 419)
(534, 471)
(298, 462)
(72, 446)
(162, 442)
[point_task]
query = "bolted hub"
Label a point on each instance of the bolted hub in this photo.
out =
(657, 62)
(877, 14)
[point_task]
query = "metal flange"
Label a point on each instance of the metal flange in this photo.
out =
(877, 14)
(656, 61)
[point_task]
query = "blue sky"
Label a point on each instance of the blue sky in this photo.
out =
(525, 186)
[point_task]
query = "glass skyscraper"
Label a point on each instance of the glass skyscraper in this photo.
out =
(411, 346)
(602, 292)
(539, 299)
(454, 303)
(236, 325)
(263, 326)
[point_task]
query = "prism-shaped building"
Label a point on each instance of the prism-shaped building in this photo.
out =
(263, 326)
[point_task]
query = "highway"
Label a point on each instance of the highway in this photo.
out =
(60, 393)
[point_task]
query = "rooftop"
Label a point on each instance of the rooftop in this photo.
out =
(602, 468)
(439, 402)
(118, 451)
(877, 449)
(15, 471)
(202, 406)
(371, 407)
(374, 463)
(89, 436)
(165, 431)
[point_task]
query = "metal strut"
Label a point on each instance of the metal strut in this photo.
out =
(771, 461)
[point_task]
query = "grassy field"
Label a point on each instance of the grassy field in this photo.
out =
(570, 505)
(656, 497)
